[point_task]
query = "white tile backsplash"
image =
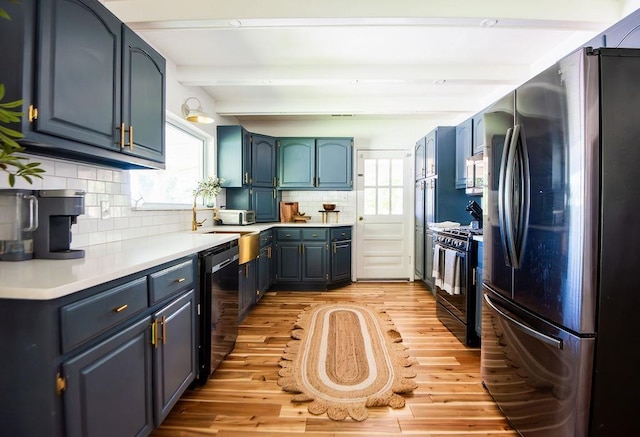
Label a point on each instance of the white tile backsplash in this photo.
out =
(310, 202)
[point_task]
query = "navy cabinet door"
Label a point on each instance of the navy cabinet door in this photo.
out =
(109, 387)
(265, 202)
(419, 229)
(234, 156)
(289, 262)
(420, 156)
(314, 262)
(175, 352)
(263, 158)
(341, 261)
(428, 260)
(143, 88)
(265, 271)
(334, 163)
(79, 57)
(478, 134)
(430, 153)
(297, 163)
(464, 136)
(247, 286)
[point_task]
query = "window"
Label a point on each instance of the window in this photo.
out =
(186, 156)
(383, 186)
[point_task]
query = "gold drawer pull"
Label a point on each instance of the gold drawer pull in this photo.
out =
(121, 308)
(181, 280)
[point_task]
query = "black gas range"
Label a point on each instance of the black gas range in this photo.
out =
(455, 256)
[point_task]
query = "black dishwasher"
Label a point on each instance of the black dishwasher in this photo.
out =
(218, 306)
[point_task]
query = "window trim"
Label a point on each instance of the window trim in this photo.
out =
(209, 162)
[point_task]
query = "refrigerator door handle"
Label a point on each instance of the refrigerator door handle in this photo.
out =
(509, 193)
(551, 341)
(524, 197)
(502, 211)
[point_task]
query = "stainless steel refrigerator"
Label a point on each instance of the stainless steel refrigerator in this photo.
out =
(561, 302)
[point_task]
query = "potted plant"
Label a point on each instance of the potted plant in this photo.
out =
(10, 162)
(209, 189)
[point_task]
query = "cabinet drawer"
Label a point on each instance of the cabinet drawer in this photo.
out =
(171, 280)
(266, 237)
(88, 317)
(288, 234)
(340, 234)
(314, 234)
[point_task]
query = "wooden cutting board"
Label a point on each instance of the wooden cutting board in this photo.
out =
(287, 211)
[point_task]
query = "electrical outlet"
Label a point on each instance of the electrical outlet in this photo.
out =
(105, 210)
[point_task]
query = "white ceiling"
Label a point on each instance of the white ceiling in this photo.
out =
(364, 58)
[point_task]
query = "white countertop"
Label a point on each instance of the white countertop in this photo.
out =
(42, 279)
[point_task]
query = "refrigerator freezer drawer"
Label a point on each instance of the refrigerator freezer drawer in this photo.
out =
(539, 375)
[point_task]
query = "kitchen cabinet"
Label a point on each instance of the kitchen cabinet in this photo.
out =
(419, 224)
(428, 260)
(464, 138)
(313, 258)
(108, 84)
(112, 359)
(420, 159)
(469, 142)
(315, 163)
(247, 287)
(436, 197)
(247, 162)
(477, 145)
(174, 355)
(340, 254)
(266, 264)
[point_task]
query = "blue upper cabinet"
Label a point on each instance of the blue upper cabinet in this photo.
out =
(420, 157)
(296, 163)
(464, 138)
(430, 154)
(92, 90)
(477, 146)
(334, 163)
(263, 161)
(143, 90)
(310, 163)
(234, 156)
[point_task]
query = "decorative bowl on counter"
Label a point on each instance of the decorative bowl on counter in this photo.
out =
(329, 206)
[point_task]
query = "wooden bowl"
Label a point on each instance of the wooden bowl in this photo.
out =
(329, 206)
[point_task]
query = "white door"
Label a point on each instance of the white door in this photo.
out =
(384, 215)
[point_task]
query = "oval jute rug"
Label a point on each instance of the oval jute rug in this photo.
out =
(343, 358)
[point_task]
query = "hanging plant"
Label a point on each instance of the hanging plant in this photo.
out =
(15, 166)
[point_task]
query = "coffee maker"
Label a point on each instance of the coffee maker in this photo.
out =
(57, 211)
(18, 221)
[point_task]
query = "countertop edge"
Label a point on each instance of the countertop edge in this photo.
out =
(42, 279)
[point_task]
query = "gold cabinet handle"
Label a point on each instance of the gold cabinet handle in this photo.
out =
(246, 270)
(130, 137)
(121, 308)
(122, 135)
(162, 337)
(179, 280)
(33, 113)
(154, 339)
(335, 249)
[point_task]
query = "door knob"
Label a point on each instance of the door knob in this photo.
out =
(361, 218)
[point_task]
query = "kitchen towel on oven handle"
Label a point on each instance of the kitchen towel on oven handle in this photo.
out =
(438, 265)
(451, 276)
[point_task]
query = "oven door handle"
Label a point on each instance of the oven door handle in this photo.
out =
(524, 328)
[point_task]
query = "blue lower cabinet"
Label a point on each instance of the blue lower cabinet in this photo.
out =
(109, 386)
(247, 286)
(478, 285)
(313, 258)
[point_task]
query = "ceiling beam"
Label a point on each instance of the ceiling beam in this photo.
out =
(596, 11)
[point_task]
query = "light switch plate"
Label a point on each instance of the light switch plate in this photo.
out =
(105, 209)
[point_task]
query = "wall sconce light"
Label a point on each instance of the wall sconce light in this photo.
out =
(195, 115)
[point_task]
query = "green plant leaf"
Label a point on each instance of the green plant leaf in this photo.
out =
(12, 179)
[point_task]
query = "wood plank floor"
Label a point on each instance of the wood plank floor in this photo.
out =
(242, 397)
